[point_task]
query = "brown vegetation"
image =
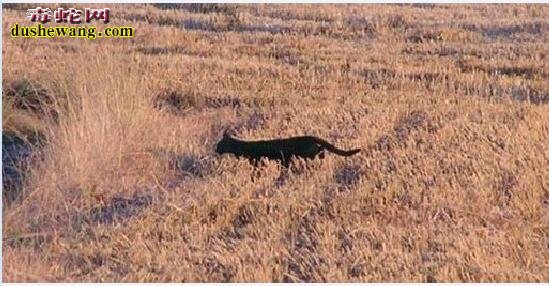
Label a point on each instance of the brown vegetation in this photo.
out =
(450, 104)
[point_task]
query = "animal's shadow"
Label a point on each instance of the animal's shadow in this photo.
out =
(120, 208)
(192, 165)
(347, 176)
(188, 165)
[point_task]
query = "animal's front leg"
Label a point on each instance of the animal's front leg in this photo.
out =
(286, 162)
(256, 171)
(282, 178)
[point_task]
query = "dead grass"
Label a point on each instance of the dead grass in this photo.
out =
(449, 103)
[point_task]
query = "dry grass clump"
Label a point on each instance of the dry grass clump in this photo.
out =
(449, 108)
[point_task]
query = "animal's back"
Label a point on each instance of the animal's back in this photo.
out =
(304, 146)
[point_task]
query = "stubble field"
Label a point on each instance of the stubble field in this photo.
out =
(109, 170)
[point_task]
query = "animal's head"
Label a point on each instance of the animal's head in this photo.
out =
(224, 145)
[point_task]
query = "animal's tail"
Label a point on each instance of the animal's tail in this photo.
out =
(334, 149)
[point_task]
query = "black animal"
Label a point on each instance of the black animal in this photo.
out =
(282, 150)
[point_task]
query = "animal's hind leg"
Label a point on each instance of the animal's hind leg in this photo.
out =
(282, 177)
(256, 173)
(258, 164)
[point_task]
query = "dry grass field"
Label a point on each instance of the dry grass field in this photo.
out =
(113, 175)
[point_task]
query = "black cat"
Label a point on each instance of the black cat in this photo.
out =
(282, 150)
